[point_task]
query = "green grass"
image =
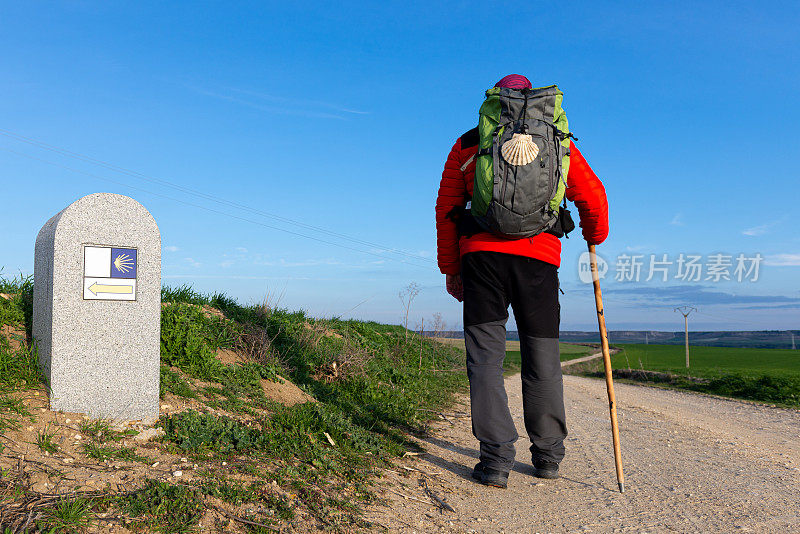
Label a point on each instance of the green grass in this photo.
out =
(100, 430)
(69, 515)
(99, 433)
(768, 375)
(44, 440)
(18, 362)
(109, 452)
(371, 381)
(18, 310)
(237, 493)
(163, 508)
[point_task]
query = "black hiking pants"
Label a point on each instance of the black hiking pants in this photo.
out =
(492, 281)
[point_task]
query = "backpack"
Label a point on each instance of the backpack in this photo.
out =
(522, 162)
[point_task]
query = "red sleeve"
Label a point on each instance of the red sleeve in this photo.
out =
(587, 192)
(452, 192)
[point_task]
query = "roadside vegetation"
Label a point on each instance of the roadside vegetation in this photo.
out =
(765, 375)
(18, 367)
(230, 452)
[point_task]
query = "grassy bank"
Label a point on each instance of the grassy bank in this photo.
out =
(767, 375)
(244, 454)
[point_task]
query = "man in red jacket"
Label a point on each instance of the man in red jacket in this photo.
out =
(488, 273)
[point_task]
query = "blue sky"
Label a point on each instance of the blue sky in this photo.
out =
(340, 116)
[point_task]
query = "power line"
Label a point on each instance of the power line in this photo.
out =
(212, 210)
(122, 170)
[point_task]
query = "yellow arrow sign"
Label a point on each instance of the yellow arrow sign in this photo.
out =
(105, 288)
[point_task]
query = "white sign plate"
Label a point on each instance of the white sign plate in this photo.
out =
(109, 273)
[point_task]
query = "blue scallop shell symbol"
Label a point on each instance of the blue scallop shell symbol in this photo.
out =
(123, 263)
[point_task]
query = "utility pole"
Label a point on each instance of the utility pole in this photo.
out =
(685, 311)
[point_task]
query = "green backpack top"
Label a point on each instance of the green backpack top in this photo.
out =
(522, 161)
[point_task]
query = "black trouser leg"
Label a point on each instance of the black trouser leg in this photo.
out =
(537, 312)
(485, 316)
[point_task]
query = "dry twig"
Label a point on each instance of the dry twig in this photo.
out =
(243, 520)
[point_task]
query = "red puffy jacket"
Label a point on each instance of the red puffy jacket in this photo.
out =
(455, 189)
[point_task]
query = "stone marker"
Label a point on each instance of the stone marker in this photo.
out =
(97, 308)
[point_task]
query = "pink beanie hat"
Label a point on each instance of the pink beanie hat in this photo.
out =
(514, 81)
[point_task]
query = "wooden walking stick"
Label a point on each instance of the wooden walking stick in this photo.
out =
(612, 403)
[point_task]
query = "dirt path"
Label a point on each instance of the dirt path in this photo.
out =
(693, 463)
(588, 358)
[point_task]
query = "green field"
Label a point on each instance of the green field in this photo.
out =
(767, 375)
(513, 361)
(708, 362)
(569, 351)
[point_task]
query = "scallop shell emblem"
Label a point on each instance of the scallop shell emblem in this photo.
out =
(520, 149)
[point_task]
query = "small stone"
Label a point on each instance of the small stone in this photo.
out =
(67, 421)
(177, 474)
(184, 460)
(30, 429)
(149, 433)
(155, 464)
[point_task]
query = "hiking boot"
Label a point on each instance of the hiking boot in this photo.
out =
(545, 469)
(477, 472)
(489, 476)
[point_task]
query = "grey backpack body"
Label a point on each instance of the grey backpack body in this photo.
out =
(520, 198)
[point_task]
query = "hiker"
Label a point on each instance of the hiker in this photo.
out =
(498, 224)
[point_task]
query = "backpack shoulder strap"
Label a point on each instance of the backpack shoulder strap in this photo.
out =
(470, 139)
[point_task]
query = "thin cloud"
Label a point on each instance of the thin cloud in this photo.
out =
(192, 262)
(795, 306)
(303, 263)
(278, 110)
(699, 296)
(677, 220)
(297, 102)
(756, 230)
(354, 111)
(171, 248)
(761, 229)
(783, 260)
(195, 276)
